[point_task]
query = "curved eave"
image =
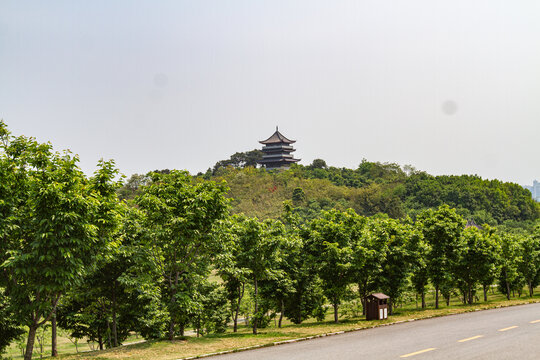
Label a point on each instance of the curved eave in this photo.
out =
(266, 142)
(265, 161)
(277, 138)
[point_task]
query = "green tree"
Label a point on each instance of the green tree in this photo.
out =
(211, 314)
(330, 247)
(298, 196)
(107, 218)
(120, 295)
(529, 262)
(52, 237)
(231, 271)
(278, 288)
(240, 160)
(442, 230)
(9, 328)
(509, 277)
(420, 275)
(476, 259)
(181, 217)
(488, 264)
(318, 164)
(260, 243)
(132, 187)
(400, 241)
(304, 297)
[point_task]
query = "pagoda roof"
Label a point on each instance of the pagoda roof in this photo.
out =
(277, 138)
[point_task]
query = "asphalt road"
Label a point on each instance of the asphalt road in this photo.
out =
(508, 333)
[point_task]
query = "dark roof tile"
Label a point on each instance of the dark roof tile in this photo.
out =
(277, 138)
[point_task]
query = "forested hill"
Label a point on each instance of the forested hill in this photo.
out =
(370, 189)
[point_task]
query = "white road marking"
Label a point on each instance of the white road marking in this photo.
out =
(417, 352)
(508, 328)
(471, 338)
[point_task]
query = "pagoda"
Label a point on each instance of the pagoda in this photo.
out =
(277, 151)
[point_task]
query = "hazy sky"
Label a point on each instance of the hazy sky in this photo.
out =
(450, 87)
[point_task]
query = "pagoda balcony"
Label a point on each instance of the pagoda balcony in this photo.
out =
(276, 156)
(277, 147)
(274, 163)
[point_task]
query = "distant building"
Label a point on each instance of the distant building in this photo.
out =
(535, 190)
(277, 151)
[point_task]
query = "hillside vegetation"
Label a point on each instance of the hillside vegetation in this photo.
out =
(373, 188)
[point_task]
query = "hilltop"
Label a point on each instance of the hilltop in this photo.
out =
(370, 189)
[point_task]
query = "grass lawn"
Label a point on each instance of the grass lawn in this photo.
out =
(192, 346)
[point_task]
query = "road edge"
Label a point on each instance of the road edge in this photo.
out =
(276, 343)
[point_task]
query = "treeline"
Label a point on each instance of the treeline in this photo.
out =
(375, 188)
(73, 255)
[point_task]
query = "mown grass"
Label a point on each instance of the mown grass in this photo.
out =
(193, 346)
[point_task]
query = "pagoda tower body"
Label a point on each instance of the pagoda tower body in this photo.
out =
(277, 151)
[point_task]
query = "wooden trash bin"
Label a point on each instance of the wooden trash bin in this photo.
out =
(377, 306)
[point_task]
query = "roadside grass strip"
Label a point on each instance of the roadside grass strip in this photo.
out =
(471, 338)
(534, 321)
(195, 348)
(417, 352)
(508, 328)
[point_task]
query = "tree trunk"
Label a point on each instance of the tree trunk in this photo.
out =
(436, 296)
(240, 296)
(531, 289)
(335, 312)
(363, 300)
(182, 329)
(171, 329)
(507, 290)
(30, 342)
(471, 300)
(448, 300)
(390, 306)
(54, 349)
(172, 324)
(423, 300)
(174, 287)
(109, 340)
(41, 340)
(235, 319)
(100, 340)
(114, 332)
(485, 288)
(281, 313)
(256, 315)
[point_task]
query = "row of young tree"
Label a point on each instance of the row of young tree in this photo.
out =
(73, 256)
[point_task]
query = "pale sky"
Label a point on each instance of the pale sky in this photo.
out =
(450, 87)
